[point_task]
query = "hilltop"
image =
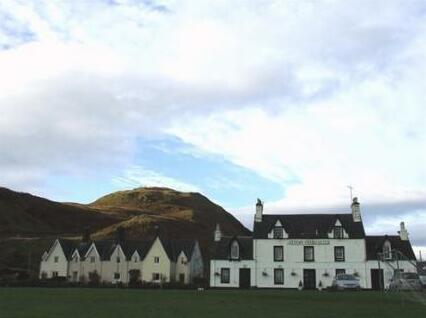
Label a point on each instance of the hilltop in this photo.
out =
(28, 223)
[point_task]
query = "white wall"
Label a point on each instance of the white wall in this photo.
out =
(163, 267)
(294, 261)
(388, 270)
(49, 265)
(234, 266)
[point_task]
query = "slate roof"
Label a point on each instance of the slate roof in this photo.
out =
(222, 249)
(308, 225)
(106, 247)
(375, 245)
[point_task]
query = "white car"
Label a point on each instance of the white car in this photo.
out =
(345, 282)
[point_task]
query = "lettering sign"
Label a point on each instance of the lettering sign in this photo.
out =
(308, 242)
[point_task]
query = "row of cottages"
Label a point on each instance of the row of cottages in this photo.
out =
(155, 261)
(308, 250)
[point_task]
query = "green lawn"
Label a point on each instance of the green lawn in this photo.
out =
(122, 303)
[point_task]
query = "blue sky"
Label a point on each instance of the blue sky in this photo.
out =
(289, 101)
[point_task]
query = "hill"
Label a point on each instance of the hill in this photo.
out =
(28, 223)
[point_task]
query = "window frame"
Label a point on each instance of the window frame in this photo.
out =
(117, 275)
(276, 247)
(338, 228)
(339, 271)
(277, 270)
(224, 270)
(56, 259)
(305, 248)
(336, 248)
(236, 245)
(275, 232)
(154, 276)
(156, 259)
(92, 259)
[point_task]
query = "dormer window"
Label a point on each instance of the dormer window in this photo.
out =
(235, 250)
(338, 232)
(278, 232)
(387, 250)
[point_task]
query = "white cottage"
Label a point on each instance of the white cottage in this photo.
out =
(115, 261)
(308, 250)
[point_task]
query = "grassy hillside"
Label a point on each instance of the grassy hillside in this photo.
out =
(28, 223)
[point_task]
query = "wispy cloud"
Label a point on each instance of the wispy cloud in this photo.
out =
(138, 177)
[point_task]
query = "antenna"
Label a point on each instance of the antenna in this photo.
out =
(350, 191)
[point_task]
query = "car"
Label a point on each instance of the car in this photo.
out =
(345, 282)
(405, 281)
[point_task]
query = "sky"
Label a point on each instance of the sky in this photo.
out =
(287, 101)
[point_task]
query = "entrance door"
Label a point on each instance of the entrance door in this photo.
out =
(245, 278)
(309, 279)
(377, 279)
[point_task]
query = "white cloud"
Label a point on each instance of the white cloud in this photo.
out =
(315, 95)
(136, 176)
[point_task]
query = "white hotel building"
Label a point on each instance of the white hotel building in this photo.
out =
(307, 251)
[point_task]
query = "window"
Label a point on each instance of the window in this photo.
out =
(224, 275)
(116, 275)
(155, 276)
(182, 261)
(387, 250)
(279, 276)
(74, 276)
(339, 253)
(338, 232)
(56, 259)
(156, 259)
(278, 232)
(55, 274)
(308, 254)
(136, 259)
(75, 258)
(340, 271)
(278, 253)
(118, 259)
(92, 259)
(235, 250)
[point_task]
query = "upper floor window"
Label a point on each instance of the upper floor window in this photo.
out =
(278, 253)
(235, 250)
(278, 232)
(339, 253)
(182, 261)
(308, 254)
(92, 259)
(76, 258)
(118, 259)
(136, 259)
(387, 250)
(338, 232)
(224, 275)
(156, 259)
(56, 259)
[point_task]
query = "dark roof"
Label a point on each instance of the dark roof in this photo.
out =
(106, 247)
(222, 249)
(68, 246)
(421, 268)
(375, 245)
(308, 225)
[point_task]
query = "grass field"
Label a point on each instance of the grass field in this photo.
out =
(122, 303)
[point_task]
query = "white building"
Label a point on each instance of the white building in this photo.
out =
(115, 261)
(293, 250)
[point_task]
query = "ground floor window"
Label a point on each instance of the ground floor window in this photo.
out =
(55, 274)
(224, 275)
(340, 271)
(74, 276)
(278, 276)
(116, 275)
(155, 276)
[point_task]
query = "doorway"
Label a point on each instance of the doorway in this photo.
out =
(244, 278)
(309, 279)
(377, 279)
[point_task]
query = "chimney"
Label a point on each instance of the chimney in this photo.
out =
(259, 211)
(356, 211)
(217, 233)
(120, 235)
(403, 233)
(85, 237)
